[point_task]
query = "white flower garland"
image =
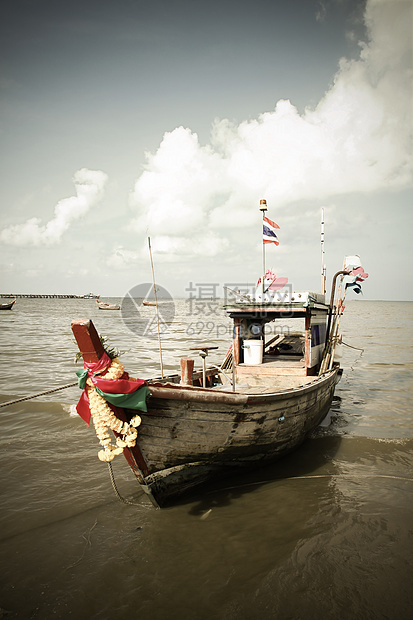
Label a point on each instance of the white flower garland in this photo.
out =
(104, 418)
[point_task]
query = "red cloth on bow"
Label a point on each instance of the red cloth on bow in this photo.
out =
(124, 385)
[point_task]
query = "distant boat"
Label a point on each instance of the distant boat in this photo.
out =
(91, 296)
(145, 302)
(104, 306)
(7, 306)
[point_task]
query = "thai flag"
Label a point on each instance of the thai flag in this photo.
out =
(268, 234)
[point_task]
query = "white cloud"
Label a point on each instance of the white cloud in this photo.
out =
(357, 139)
(121, 257)
(169, 248)
(175, 248)
(89, 186)
(180, 180)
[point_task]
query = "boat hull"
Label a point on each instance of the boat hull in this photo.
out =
(108, 306)
(190, 435)
(7, 306)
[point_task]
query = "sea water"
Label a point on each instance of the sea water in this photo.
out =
(324, 533)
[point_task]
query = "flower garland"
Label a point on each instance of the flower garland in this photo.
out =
(105, 419)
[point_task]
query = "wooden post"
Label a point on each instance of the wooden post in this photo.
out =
(237, 341)
(87, 340)
(187, 368)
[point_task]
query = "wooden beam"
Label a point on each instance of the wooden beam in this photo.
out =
(237, 341)
(87, 340)
(265, 370)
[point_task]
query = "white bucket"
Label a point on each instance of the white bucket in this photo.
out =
(253, 352)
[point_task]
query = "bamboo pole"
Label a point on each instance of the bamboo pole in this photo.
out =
(156, 304)
(335, 334)
(336, 309)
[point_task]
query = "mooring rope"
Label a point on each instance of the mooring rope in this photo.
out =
(64, 387)
(115, 488)
(19, 400)
(311, 477)
(351, 347)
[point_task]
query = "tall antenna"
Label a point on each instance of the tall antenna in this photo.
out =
(323, 266)
(263, 208)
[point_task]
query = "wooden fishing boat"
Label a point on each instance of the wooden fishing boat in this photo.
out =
(273, 388)
(252, 410)
(8, 305)
(105, 306)
(146, 302)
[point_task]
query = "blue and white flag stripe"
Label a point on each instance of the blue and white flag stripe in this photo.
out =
(268, 234)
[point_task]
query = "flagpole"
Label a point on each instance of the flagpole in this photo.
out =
(263, 208)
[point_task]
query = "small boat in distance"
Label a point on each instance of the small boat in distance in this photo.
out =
(105, 306)
(146, 302)
(8, 305)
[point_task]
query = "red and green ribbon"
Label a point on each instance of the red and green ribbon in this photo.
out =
(124, 392)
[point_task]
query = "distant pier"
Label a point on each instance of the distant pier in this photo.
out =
(35, 296)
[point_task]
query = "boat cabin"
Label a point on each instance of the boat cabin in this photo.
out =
(285, 337)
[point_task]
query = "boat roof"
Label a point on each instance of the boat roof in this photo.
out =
(281, 304)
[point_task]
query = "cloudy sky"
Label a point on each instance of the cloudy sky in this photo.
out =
(174, 118)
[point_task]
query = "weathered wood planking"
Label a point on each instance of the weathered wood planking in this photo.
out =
(205, 431)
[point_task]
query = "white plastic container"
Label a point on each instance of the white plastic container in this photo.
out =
(253, 352)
